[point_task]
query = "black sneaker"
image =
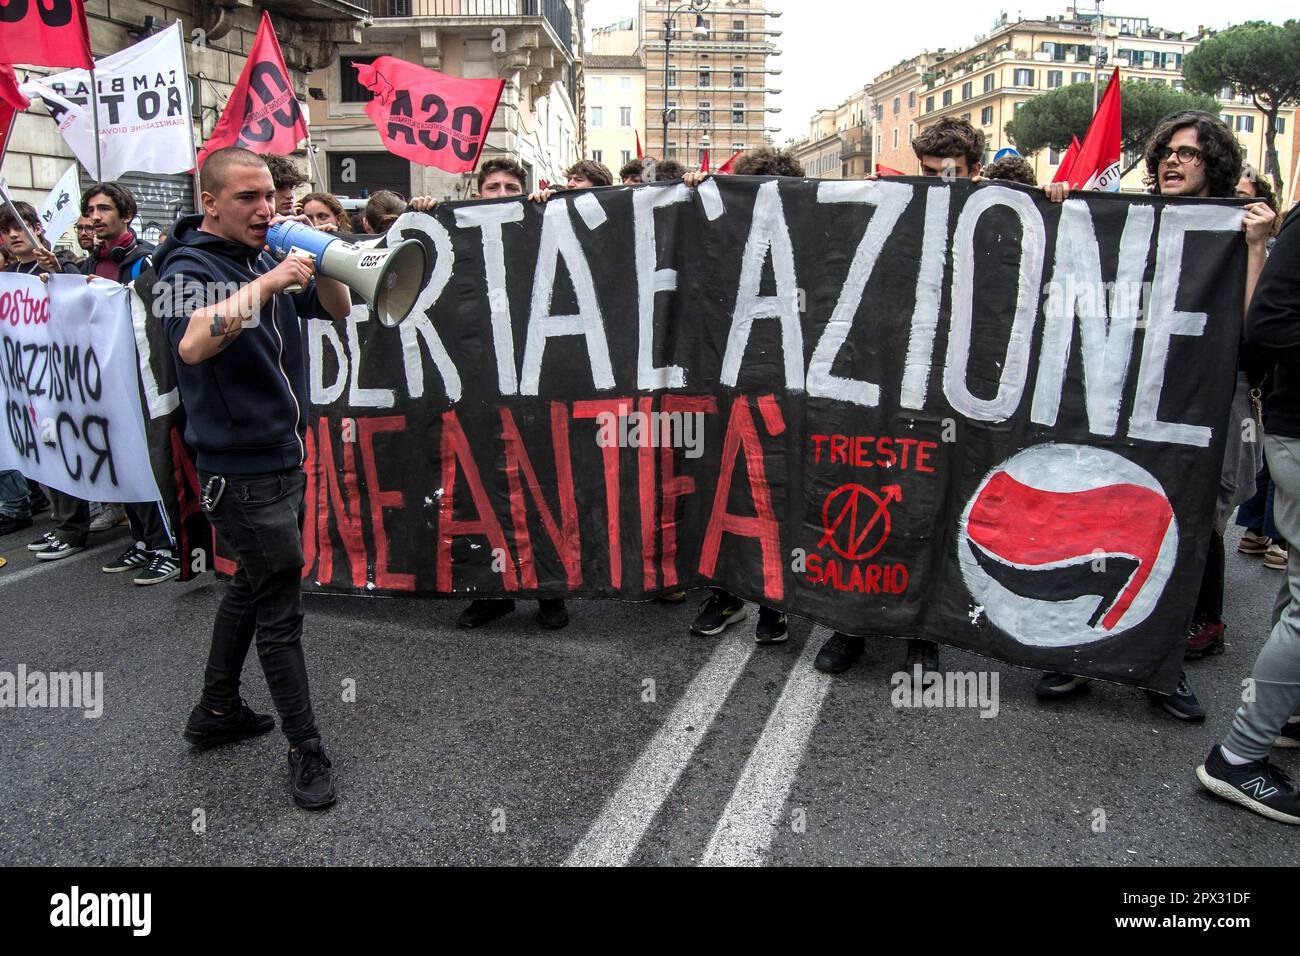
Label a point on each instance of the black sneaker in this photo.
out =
(838, 654)
(9, 525)
(57, 550)
(1182, 703)
(39, 502)
(309, 773)
(1054, 684)
(1288, 738)
(484, 611)
(552, 613)
(43, 542)
(162, 566)
(717, 613)
(132, 559)
(1257, 785)
(206, 729)
(925, 653)
(771, 627)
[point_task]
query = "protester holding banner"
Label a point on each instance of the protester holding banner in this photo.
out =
(498, 177)
(1015, 169)
(630, 174)
(1238, 768)
(242, 378)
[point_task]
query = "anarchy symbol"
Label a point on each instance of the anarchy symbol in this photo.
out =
(860, 516)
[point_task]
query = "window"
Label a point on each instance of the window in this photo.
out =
(1054, 79)
(705, 112)
(1079, 76)
(596, 154)
(877, 144)
(672, 76)
(1245, 124)
(1054, 156)
(625, 84)
(966, 89)
(597, 117)
(738, 30)
(737, 78)
(947, 97)
(625, 117)
(911, 131)
(986, 116)
(597, 83)
(706, 76)
(1024, 77)
(1280, 125)
(353, 91)
(672, 149)
(898, 102)
(911, 99)
(895, 146)
(988, 82)
(738, 113)
(625, 157)
(929, 104)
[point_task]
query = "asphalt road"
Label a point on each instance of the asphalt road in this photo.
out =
(514, 745)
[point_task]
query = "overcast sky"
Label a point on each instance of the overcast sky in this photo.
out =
(832, 47)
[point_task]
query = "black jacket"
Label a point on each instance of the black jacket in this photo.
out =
(246, 407)
(1273, 328)
(127, 270)
(68, 266)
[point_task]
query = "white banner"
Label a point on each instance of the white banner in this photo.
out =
(70, 385)
(62, 206)
(144, 110)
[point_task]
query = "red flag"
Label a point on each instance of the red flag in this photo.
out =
(704, 161)
(262, 113)
(1067, 162)
(12, 102)
(726, 167)
(888, 171)
(45, 33)
(639, 154)
(429, 117)
(1096, 166)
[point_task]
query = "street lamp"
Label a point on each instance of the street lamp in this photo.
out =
(700, 32)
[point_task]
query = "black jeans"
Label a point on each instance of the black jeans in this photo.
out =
(260, 517)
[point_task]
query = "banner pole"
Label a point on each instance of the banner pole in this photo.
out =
(319, 184)
(22, 224)
(189, 113)
(94, 114)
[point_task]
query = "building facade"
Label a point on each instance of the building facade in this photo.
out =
(713, 82)
(897, 95)
(615, 98)
(838, 141)
(311, 34)
(528, 43)
(988, 81)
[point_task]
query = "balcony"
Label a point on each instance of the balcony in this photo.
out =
(453, 14)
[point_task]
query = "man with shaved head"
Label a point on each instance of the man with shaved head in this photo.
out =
(236, 331)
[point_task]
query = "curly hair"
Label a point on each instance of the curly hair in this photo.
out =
(595, 173)
(950, 138)
(1220, 151)
(284, 171)
(667, 169)
(1014, 169)
(633, 167)
(119, 196)
(502, 164)
(766, 161)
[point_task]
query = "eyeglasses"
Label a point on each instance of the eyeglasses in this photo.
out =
(85, 229)
(1186, 154)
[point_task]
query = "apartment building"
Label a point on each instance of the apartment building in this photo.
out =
(528, 43)
(710, 81)
(897, 96)
(615, 97)
(838, 144)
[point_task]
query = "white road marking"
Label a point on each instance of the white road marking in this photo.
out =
(38, 566)
(615, 835)
(747, 826)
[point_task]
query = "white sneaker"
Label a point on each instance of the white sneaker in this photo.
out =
(110, 516)
(1275, 557)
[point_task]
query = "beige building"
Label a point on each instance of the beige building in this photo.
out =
(615, 99)
(714, 83)
(529, 44)
(838, 141)
(311, 34)
(897, 95)
(988, 81)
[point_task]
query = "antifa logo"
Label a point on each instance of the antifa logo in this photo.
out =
(1064, 545)
(53, 13)
(276, 106)
(433, 131)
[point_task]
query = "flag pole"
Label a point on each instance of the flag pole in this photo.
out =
(94, 113)
(22, 224)
(189, 115)
(319, 183)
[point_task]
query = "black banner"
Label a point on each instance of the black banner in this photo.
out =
(902, 408)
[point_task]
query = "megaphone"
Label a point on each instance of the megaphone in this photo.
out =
(388, 279)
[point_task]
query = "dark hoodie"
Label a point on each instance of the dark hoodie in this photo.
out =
(246, 407)
(129, 263)
(1273, 328)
